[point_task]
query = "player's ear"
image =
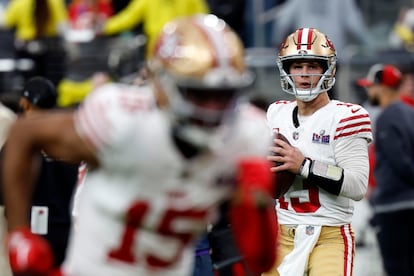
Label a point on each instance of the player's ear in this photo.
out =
(25, 104)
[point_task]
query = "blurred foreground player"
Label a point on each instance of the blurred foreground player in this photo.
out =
(156, 174)
(327, 150)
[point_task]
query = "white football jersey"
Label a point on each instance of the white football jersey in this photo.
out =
(316, 138)
(7, 118)
(142, 210)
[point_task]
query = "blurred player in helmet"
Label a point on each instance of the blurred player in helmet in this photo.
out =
(328, 152)
(156, 174)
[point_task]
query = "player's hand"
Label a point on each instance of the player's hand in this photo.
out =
(288, 157)
(29, 254)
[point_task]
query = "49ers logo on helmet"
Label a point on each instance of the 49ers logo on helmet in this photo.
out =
(329, 42)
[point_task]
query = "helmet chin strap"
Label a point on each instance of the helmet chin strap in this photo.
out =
(196, 136)
(187, 148)
(311, 94)
(199, 138)
(306, 95)
(202, 138)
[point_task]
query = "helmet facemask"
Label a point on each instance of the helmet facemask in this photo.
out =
(197, 113)
(325, 83)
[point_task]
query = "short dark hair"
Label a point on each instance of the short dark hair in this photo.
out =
(40, 92)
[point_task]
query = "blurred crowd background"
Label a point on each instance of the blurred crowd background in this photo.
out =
(363, 32)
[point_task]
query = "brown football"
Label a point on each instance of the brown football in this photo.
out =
(283, 179)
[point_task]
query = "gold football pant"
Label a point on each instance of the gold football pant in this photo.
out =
(333, 254)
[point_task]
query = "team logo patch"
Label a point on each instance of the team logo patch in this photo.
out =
(295, 135)
(309, 230)
(321, 138)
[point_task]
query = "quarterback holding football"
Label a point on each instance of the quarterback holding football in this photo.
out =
(325, 147)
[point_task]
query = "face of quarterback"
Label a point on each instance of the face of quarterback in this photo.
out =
(306, 74)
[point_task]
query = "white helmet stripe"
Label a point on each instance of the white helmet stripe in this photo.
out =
(216, 40)
(305, 39)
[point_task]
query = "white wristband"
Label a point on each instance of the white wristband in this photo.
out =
(304, 169)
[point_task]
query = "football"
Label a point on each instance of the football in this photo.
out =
(283, 179)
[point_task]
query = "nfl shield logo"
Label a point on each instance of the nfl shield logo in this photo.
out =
(295, 135)
(309, 230)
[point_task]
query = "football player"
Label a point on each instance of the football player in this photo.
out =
(156, 174)
(328, 152)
